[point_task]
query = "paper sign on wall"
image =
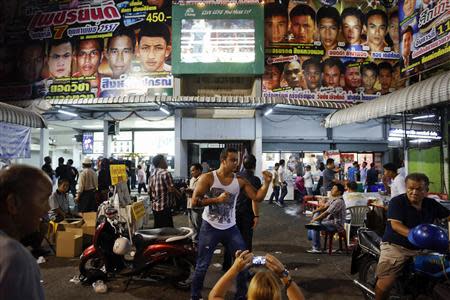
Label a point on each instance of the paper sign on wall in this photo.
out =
(118, 174)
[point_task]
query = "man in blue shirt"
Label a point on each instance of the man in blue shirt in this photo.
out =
(405, 212)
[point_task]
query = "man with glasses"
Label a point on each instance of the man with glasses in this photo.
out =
(405, 212)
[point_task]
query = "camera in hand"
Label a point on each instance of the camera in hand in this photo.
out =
(259, 260)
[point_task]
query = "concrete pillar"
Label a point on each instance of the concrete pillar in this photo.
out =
(44, 147)
(106, 140)
(257, 143)
(181, 148)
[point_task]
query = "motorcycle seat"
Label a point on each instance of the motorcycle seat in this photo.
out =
(166, 234)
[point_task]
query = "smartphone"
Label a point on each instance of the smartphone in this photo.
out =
(259, 260)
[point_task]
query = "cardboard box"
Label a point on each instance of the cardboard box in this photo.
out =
(70, 223)
(90, 220)
(69, 243)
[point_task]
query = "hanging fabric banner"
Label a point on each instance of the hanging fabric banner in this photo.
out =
(14, 141)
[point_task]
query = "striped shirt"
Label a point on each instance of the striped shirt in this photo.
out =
(159, 184)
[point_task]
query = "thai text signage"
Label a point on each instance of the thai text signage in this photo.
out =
(425, 34)
(86, 49)
(334, 50)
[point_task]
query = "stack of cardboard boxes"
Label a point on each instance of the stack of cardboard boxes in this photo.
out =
(71, 233)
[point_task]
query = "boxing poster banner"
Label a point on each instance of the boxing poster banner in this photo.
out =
(334, 50)
(425, 34)
(86, 49)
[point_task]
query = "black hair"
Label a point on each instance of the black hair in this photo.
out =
(224, 153)
(375, 12)
(333, 62)
(47, 159)
(330, 161)
(62, 180)
(282, 161)
(372, 165)
(386, 66)
(419, 177)
(155, 30)
(139, 167)
(61, 160)
(352, 185)
(275, 9)
(302, 10)
(277, 164)
(70, 161)
(197, 166)
(408, 29)
(393, 14)
(328, 12)
(157, 160)
(308, 167)
(369, 66)
(340, 187)
(353, 11)
(310, 62)
(54, 43)
(249, 162)
(99, 42)
(123, 31)
(390, 167)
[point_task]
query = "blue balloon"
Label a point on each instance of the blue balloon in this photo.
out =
(429, 236)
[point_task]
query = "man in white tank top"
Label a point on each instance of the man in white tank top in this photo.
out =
(221, 188)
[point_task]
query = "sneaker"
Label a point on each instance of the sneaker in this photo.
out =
(314, 250)
(278, 203)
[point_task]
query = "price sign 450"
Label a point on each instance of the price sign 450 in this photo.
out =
(155, 17)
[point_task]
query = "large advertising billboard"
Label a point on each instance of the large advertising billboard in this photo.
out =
(334, 50)
(425, 34)
(85, 49)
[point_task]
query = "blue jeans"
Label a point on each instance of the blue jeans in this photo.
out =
(284, 192)
(275, 193)
(209, 237)
(324, 225)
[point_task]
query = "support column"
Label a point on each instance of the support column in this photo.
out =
(44, 148)
(257, 143)
(106, 140)
(181, 148)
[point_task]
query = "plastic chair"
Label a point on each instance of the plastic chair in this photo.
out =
(358, 215)
(329, 237)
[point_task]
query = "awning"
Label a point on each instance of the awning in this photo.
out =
(432, 91)
(16, 115)
(199, 101)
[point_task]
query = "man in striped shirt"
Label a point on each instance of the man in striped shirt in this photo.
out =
(161, 190)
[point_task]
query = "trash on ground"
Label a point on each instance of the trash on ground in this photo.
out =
(100, 287)
(41, 260)
(75, 279)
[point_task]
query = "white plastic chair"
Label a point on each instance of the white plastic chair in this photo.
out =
(358, 215)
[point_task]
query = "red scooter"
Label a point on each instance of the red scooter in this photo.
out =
(163, 253)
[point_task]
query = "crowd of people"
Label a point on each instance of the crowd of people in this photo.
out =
(223, 207)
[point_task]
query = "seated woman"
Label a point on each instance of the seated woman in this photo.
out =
(265, 285)
(59, 203)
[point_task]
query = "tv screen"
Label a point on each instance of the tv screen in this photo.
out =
(217, 41)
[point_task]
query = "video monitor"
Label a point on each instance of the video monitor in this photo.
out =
(217, 41)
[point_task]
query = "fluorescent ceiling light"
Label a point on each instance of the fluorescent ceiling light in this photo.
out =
(164, 110)
(67, 113)
(92, 126)
(268, 112)
(394, 138)
(424, 117)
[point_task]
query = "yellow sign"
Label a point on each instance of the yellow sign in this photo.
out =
(118, 174)
(138, 210)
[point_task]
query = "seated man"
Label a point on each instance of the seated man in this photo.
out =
(353, 198)
(331, 217)
(58, 201)
(404, 213)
